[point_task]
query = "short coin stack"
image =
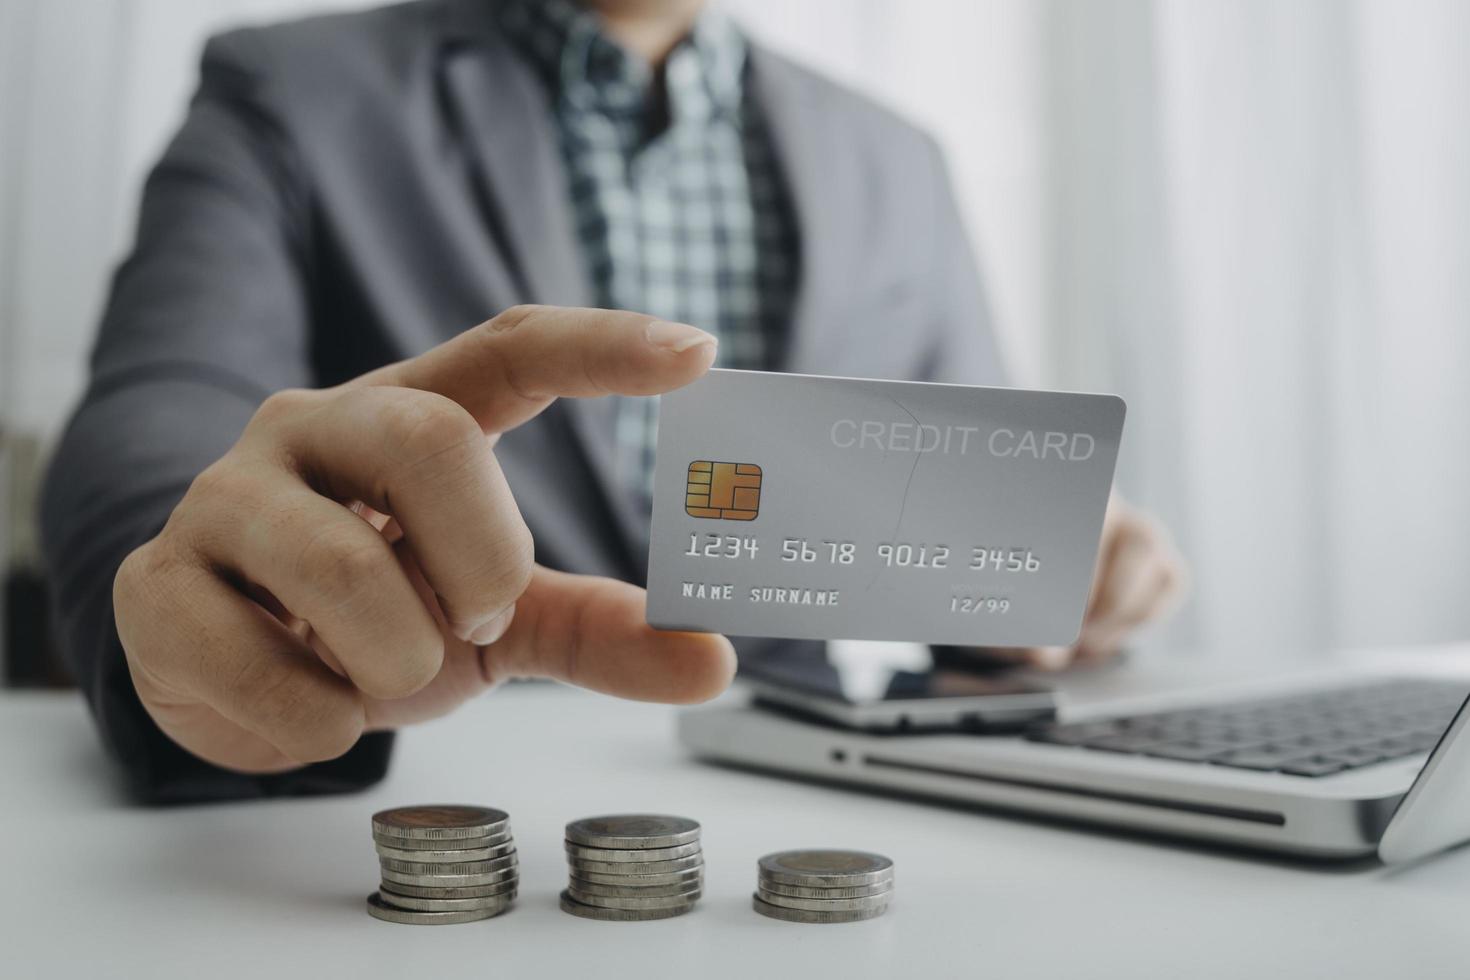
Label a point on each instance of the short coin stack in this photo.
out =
(633, 867)
(823, 886)
(443, 864)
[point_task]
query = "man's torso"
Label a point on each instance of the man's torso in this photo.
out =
(425, 153)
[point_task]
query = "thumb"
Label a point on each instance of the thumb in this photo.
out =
(592, 632)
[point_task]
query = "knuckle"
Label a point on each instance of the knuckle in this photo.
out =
(339, 562)
(520, 557)
(512, 318)
(305, 723)
(403, 673)
(127, 590)
(428, 427)
(145, 564)
(230, 494)
(344, 567)
(215, 481)
(225, 486)
(271, 688)
(282, 405)
(495, 583)
(125, 582)
(144, 591)
(329, 736)
(500, 356)
(510, 570)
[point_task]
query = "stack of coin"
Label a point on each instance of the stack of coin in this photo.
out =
(443, 864)
(823, 886)
(633, 867)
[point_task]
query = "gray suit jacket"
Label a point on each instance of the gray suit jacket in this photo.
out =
(353, 189)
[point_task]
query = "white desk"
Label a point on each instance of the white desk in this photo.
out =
(95, 888)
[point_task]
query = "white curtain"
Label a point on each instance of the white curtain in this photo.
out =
(1249, 217)
(1252, 219)
(1260, 238)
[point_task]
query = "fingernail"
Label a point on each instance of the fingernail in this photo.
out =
(493, 630)
(677, 337)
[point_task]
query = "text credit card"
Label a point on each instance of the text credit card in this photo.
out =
(837, 508)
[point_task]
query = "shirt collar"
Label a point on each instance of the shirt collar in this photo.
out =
(584, 68)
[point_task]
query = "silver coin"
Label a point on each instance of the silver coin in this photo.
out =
(449, 881)
(463, 843)
(579, 886)
(460, 868)
(574, 907)
(460, 856)
(440, 821)
(824, 904)
(617, 855)
(637, 867)
(639, 880)
(397, 888)
(634, 904)
(633, 830)
(818, 868)
(799, 915)
(803, 891)
(379, 909)
(498, 902)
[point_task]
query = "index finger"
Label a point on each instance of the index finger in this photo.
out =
(508, 369)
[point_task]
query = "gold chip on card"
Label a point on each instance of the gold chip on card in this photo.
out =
(723, 491)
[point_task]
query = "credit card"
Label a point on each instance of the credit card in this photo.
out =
(839, 508)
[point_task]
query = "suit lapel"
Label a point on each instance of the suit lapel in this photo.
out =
(512, 141)
(816, 157)
(507, 120)
(508, 125)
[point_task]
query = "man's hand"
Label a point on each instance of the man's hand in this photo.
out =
(1140, 577)
(356, 560)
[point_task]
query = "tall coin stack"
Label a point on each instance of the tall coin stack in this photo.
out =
(823, 886)
(443, 864)
(633, 867)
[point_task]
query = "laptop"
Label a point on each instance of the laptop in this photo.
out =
(1338, 766)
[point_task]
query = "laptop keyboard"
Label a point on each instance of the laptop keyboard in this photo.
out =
(1315, 734)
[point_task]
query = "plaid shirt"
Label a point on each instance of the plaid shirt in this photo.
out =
(679, 204)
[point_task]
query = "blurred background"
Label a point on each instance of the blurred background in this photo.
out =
(1250, 218)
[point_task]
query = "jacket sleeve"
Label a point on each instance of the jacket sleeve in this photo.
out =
(208, 315)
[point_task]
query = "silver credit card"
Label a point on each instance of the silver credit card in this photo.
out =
(837, 508)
